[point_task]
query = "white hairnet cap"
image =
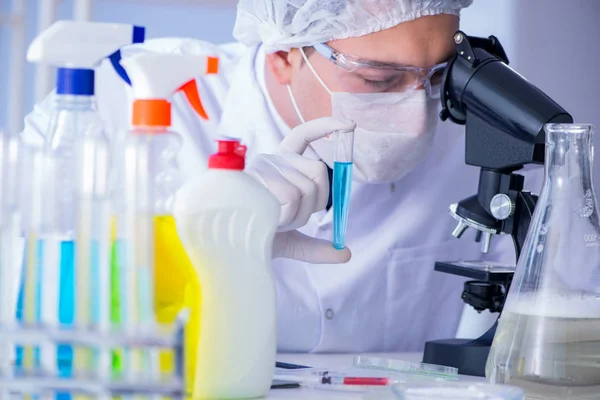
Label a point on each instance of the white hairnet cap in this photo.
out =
(286, 24)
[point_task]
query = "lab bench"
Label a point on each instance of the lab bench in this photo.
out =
(334, 361)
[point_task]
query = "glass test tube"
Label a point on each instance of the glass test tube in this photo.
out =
(135, 256)
(92, 244)
(41, 260)
(9, 232)
(343, 149)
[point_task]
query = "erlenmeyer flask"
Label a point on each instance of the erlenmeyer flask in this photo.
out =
(548, 337)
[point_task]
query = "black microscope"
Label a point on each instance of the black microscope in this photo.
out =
(504, 117)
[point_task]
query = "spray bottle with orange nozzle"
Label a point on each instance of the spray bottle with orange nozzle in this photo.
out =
(151, 270)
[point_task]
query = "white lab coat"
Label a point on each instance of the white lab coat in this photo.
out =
(388, 297)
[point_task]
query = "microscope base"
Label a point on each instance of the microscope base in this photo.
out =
(468, 355)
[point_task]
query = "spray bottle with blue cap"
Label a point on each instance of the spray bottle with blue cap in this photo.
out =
(73, 243)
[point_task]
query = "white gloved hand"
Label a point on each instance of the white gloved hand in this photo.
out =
(302, 187)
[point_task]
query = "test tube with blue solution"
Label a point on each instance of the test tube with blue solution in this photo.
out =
(343, 148)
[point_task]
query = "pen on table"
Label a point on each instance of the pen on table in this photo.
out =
(285, 365)
(337, 380)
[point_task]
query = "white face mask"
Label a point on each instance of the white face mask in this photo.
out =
(394, 131)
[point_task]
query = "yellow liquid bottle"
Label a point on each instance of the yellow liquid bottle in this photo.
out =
(151, 150)
(176, 287)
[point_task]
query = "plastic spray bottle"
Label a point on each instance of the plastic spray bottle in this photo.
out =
(146, 236)
(73, 242)
(227, 222)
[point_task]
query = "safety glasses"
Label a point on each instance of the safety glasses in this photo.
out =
(358, 75)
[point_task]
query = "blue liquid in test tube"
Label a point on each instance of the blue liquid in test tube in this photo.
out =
(66, 301)
(342, 185)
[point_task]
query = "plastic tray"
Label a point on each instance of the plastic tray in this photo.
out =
(456, 391)
(388, 364)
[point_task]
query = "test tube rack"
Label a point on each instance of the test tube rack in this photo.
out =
(36, 381)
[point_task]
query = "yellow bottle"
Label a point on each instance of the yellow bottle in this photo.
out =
(177, 287)
(152, 173)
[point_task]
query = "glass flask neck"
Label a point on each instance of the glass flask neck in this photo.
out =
(569, 158)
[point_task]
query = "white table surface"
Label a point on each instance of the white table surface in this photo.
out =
(332, 361)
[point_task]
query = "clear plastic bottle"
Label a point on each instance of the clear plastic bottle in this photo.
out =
(150, 262)
(74, 243)
(148, 182)
(81, 150)
(548, 337)
(75, 123)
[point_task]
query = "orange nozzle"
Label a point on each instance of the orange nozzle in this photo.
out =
(151, 113)
(212, 65)
(190, 90)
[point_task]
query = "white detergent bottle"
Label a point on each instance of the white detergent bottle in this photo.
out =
(227, 222)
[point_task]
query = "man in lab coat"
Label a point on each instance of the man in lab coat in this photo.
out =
(373, 65)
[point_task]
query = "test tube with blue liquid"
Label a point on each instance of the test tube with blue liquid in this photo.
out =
(343, 148)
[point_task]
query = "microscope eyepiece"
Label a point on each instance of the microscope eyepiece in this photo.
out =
(503, 112)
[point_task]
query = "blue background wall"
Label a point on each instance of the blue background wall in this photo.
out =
(212, 22)
(551, 42)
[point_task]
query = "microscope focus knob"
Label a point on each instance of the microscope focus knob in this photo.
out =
(502, 207)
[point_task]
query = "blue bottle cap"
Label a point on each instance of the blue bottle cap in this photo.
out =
(75, 81)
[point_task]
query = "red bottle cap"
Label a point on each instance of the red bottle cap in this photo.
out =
(230, 155)
(241, 150)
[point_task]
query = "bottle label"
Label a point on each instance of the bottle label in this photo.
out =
(591, 239)
(585, 208)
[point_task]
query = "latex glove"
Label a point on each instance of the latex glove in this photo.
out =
(302, 187)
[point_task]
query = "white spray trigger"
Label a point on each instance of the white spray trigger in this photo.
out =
(79, 44)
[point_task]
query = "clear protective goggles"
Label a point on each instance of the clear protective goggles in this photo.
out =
(357, 75)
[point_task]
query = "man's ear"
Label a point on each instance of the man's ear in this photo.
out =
(280, 66)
